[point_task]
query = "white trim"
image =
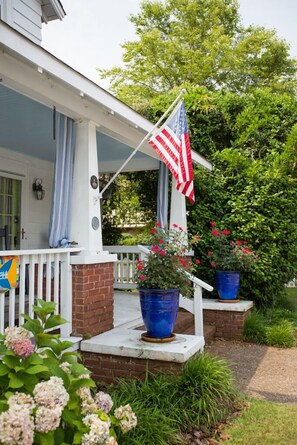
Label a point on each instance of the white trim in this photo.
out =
(60, 85)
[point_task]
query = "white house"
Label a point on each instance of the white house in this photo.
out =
(43, 101)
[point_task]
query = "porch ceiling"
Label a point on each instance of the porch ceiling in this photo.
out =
(26, 126)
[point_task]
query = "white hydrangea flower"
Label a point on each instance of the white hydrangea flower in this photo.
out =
(111, 441)
(47, 419)
(127, 418)
(65, 366)
(99, 430)
(104, 401)
(21, 401)
(51, 393)
(15, 333)
(88, 404)
(16, 427)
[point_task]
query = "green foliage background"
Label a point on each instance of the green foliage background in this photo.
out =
(242, 114)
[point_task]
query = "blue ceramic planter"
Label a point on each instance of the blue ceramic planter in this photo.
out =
(159, 310)
(227, 284)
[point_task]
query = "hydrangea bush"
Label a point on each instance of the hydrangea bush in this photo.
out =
(46, 396)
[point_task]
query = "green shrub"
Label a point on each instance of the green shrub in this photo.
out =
(255, 328)
(203, 394)
(281, 335)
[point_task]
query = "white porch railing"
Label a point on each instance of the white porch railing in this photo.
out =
(126, 265)
(124, 273)
(44, 274)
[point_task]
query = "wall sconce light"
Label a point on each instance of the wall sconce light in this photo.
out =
(38, 189)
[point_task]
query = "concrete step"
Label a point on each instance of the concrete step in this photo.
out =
(185, 325)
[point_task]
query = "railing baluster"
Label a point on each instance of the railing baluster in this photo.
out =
(22, 288)
(48, 277)
(11, 308)
(2, 311)
(40, 277)
(56, 281)
(32, 261)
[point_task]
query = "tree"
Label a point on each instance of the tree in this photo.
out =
(198, 43)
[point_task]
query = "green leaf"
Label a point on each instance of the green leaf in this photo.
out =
(15, 381)
(53, 321)
(77, 438)
(11, 360)
(3, 369)
(36, 369)
(33, 326)
(78, 383)
(34, 359)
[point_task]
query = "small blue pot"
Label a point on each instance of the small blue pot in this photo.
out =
(227, 284)
(159, 308)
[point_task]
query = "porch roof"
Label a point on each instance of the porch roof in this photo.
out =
(31, 70)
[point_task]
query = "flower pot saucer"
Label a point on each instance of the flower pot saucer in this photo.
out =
(145, 337)
(228, 301)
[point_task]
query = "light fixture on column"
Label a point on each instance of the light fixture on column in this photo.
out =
(38, 189)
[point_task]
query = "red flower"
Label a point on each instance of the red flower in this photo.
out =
(215, 232)
(142, 277)
(153, 231)
(139, 261)
(212, 223)
(182, 262)
(161, 241)
(158, 224)
(140, 267)
(212, 264)
(198, 262)
(209, 253)
(181, 229)
(239, 243)
(245, 242)
(226, 232)
(174, 225)
(163, 252)
(155, 249)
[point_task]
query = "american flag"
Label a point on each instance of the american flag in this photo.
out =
(172, 144)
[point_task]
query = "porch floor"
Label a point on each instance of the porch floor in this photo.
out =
(125, 338)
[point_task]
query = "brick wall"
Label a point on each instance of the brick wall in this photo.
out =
(229, 324)
(107, 368)
(92, 288)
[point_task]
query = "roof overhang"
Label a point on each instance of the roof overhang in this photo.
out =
(52, 10)
(36, 73)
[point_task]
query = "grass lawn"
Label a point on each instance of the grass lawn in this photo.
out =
(292, 295)
(264, 423)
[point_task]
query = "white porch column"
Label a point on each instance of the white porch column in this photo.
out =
(178, 213)
(86, 213)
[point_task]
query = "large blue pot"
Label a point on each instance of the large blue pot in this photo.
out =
(159, 308)
(227, 284)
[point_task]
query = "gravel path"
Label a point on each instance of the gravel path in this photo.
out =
(263, 372)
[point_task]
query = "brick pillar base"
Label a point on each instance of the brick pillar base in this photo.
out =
(229, 324)
(108, 368)
(92, 286)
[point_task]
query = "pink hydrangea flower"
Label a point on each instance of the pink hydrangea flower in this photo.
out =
(22, 347)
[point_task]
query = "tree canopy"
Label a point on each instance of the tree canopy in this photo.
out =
(198, 43)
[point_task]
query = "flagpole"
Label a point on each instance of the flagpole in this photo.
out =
(183, 91)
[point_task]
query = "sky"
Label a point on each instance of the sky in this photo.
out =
(90, 37)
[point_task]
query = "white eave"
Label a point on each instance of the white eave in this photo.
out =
(52, 10)
(19, 47)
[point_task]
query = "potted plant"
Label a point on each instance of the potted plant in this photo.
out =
(161, 278)
(229, 258)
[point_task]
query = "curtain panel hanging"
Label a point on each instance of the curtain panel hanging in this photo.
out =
(60, 219)
(162, 199)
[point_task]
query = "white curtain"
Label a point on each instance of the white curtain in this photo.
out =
(60, 219)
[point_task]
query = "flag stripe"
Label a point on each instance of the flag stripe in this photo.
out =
(172, 144)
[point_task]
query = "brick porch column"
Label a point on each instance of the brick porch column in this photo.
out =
(93, 302)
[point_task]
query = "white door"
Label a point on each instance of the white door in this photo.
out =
(11, 193)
